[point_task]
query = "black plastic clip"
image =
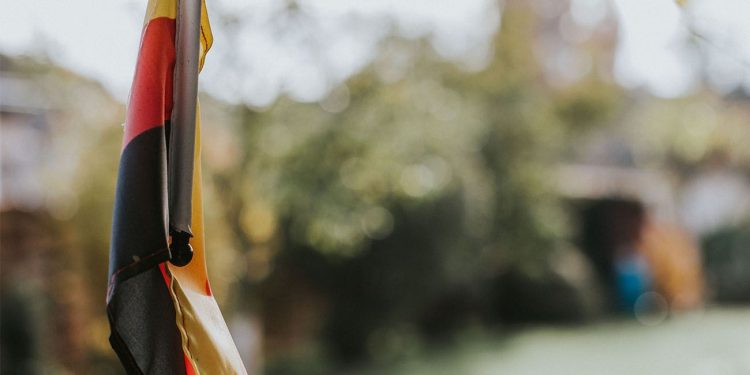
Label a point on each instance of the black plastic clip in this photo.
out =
(180, 251)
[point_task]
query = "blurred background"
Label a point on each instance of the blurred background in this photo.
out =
(404, 187)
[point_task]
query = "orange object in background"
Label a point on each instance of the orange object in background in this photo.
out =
(675, 263)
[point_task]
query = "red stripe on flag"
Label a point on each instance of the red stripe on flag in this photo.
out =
(208, 289)
(163, 269)
(151, 94)
(188, 366)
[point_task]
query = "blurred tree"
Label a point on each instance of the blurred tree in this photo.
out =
(413, 200)
(396, 202)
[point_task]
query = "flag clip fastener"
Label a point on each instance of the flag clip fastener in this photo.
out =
(180, 251)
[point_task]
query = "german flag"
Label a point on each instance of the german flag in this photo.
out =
(163, 318)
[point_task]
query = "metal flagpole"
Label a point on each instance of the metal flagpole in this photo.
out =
(182, 130)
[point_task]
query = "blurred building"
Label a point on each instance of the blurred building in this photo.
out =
(716, 197)
(25, 130)
(575, 40)
(41, 322)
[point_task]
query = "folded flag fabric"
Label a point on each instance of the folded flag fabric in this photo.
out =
(163, 318)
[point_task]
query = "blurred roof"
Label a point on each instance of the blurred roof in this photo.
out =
(652, 188)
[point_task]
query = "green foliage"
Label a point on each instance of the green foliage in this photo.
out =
(392, 207)
(406, 198)
(587, 105)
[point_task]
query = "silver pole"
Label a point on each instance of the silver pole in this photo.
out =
(182, 129)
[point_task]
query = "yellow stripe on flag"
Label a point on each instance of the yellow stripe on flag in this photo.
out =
(205, 337)
(168, 9)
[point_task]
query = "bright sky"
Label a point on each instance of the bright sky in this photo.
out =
(100, 39)
(654, 44)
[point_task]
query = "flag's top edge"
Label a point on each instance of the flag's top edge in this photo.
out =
(161, 8)
(168, 9)
(207, 39)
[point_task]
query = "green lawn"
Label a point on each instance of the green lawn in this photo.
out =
(715, 342)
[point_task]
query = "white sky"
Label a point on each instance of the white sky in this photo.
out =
(100, 39)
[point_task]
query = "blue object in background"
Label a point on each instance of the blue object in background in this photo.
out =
(632, 278)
